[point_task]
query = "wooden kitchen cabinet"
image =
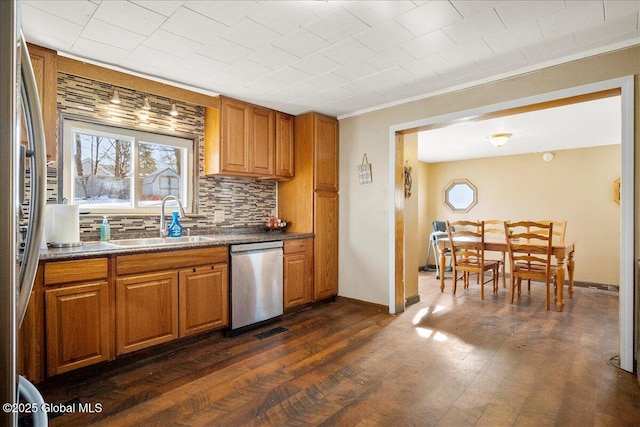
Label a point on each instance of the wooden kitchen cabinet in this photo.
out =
(309, 202)
(77, 311)
(78, 329)
(146, 310)
(284, 146)
(45, 70)
(298, 272)
(204, 299)
(244, 140)
(31, 345)
(325, 254)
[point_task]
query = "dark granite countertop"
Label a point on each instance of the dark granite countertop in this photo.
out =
(96, 249)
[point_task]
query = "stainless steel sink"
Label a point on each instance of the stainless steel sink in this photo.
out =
(159, 241)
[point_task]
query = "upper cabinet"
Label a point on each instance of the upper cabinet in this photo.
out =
(325, 171)
(242, 139)
(45, 68)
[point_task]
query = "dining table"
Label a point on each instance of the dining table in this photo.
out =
(562, 251)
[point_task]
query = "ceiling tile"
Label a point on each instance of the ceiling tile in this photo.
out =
(105, 33)
(194, 26)
(38, 23)
(481, 24)
(272, 57)
(525, 34)
(356, 70)
(388, 58)
(347, 51)
(84, 48)
(73, 11)
(578, 16)
(289, 76)
(620, 8)
(152, 58)
(377, 12)
(428, 44)
(301, 43)
(282, 17)
(429, 17)
(503, 61)
(465, 53)
(315, 64)
(248, 69)
(203, 63)
(514, 13)
(608, 30)
(549, 47)
(383, 36)
(430, 64)
(163, 7)
(337, 26)
(172, 44)
(228, 12)
(129, 16)
(250, 34)
(326, 80)
(224, 50)
(469, 8)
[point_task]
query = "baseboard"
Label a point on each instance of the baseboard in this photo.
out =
(380, 307)
(593, 285)
(412, 300)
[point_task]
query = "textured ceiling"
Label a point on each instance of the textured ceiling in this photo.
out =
(334, 57)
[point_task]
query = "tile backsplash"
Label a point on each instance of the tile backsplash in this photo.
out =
(245, 202)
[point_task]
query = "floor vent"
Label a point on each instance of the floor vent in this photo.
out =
(270, 332)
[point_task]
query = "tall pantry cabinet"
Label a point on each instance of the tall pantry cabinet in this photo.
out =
(310, 200)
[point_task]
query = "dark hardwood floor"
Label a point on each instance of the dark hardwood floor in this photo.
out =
(446, 361)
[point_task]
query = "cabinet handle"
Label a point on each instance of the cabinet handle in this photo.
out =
(194, 269)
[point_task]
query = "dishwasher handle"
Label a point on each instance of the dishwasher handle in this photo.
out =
(259, 246)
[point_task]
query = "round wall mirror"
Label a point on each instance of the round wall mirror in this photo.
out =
(460, 195)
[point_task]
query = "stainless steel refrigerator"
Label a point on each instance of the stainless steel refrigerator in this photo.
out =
(18, 101)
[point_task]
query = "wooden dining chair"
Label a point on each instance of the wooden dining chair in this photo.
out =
(466, 239)
(494, 230)
(530, 246)
(559, 232)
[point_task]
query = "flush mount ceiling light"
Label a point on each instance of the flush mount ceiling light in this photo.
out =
(146, 105)
(499, 139)
(115, 98)
(174, 109)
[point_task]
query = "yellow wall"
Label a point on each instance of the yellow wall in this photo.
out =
(365, 210)
(575, 186)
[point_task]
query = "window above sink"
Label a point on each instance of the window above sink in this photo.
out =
(107, 169)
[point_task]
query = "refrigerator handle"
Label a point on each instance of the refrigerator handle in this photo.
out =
(37, 158)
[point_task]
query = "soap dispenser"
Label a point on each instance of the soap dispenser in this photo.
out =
(105, 230)
(175, 229)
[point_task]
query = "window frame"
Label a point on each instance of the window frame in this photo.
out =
(70, 125)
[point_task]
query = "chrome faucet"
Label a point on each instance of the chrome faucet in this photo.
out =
(163, 227)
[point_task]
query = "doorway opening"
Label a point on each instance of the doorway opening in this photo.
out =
(624, 86)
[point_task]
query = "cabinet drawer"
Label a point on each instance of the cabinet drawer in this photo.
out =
(295, 246)
(75, 270)
(170, 260)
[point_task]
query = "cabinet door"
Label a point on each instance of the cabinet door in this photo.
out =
(45, 66)
(325, 153)
(325, 254)
(284, 146)
(234, 144)
(146, 310)
(262, 142)
(77, 319)
(298, 272)
(204, 301)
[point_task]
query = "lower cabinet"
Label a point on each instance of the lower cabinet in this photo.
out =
(298, 272)
(325, 254)
(77, 326)
(203, 296)
(146, 311)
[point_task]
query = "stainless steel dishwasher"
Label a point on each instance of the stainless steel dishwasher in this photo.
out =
(256, 283)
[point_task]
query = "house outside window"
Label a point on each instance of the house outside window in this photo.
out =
(113, 170)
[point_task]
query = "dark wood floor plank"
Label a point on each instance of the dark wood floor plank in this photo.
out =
(447, 361)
